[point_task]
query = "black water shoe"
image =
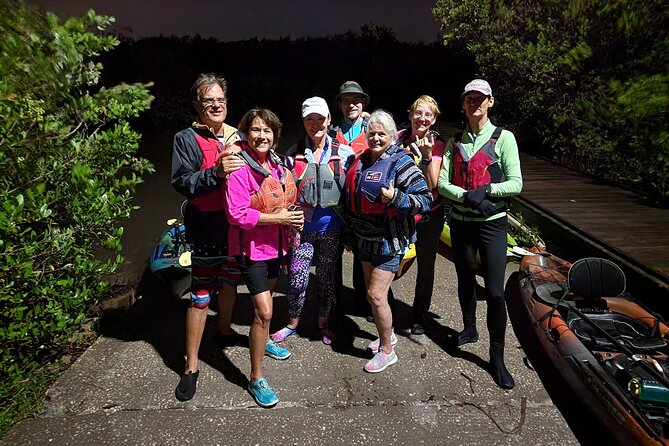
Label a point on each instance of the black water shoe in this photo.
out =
(417, 329)
(187, 385)
(467, 336)
(498, 370)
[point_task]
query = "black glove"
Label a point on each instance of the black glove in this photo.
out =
(487, 208)
(473, 198)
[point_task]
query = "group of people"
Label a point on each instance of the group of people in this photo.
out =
(362, 186)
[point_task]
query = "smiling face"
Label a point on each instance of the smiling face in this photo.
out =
(316, 126)
(212, 105)
(378, 138)
(260, 136)
(476, 105)
(351, 105)
(422, 118)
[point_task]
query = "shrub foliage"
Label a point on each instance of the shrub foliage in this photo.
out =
(68, 176)
(582, 81)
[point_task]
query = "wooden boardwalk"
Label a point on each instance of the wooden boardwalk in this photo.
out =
(622, 221)
(581, 216)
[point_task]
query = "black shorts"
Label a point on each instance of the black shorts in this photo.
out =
(257, 273)
(207, 231)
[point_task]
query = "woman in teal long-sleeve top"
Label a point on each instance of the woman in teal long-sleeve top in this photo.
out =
(481, 169)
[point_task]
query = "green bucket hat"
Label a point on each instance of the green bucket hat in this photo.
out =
(351, 87)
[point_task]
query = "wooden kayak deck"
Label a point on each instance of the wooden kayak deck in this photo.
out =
(625, 223)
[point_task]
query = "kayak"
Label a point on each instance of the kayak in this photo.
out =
(170, 259)
(609, 349)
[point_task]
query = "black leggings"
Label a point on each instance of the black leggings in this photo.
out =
(489, 239)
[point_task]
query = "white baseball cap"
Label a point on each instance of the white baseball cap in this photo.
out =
(478, 85)
(315, 105)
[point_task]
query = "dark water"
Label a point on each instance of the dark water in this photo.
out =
(157, 200)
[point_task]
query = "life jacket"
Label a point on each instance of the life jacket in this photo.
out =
(363, 184)
(359, 144)
(273, 195)
(481, 169)
(319, 185)
(211, 149)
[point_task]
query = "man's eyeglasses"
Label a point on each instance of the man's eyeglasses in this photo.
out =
(210, 101)
(351, 100)
(418, 115)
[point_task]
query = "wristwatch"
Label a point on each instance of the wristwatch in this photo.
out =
(426, 161)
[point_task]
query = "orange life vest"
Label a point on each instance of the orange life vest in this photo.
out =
(273, 195)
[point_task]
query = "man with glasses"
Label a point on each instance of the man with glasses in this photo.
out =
(199, 164)
(352, 101)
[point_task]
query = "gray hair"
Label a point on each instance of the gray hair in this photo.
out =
(385, 119)
(208, 80)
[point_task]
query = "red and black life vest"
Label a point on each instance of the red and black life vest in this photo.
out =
(363, 184)
(273, 195)
(319, 185)
(211, 149)
(481, 169)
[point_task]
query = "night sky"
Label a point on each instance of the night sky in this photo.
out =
(240, 20)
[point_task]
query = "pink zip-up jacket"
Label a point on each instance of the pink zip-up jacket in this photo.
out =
(246, 237)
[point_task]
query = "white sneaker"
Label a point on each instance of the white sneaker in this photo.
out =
(374, 345)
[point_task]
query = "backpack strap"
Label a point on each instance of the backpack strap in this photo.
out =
(489, 146)
(365, 124)
(252, 163)
(334, 158)
(279, 160)
(496, 134)
(333, 130)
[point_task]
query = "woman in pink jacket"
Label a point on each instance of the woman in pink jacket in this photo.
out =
(261, 225)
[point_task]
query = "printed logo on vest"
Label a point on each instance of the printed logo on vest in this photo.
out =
(327, 184)
(373, 177)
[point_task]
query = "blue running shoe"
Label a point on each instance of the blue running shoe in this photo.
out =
(263, 393)
(274, 351)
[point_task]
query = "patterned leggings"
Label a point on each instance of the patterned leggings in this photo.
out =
(323, 248)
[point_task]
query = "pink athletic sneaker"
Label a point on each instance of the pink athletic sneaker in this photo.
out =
(381, 361)
(328, 336)
(282, 334)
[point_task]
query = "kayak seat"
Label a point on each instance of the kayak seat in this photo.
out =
(589, 278)
(626, 330)
(594, 277)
